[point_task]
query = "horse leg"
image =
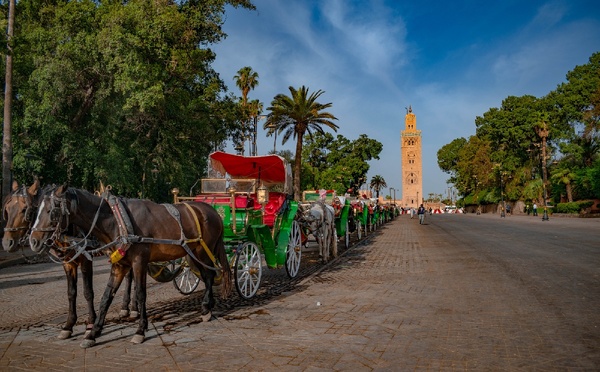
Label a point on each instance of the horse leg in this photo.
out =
(71, 273)
(334, 240)
(117, 273)
(124, 313)
(87, 274)
(140, 274)
(208, 301)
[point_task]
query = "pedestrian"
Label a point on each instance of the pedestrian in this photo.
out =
(507, 208)
(534, 209)
(412, 212)
(421, 213)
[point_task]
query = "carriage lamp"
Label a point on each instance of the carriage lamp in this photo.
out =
(262, 194)
(231, 190)
(175, 192)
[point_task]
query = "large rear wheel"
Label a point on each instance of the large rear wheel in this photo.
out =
(294, 250)
(248, 270)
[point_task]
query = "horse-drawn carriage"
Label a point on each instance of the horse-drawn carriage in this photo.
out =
(252, 196)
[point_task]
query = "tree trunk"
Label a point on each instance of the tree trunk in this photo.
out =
(569, 192)
(298, 166)
(7, 155)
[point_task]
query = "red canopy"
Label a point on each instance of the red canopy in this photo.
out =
(268, 168)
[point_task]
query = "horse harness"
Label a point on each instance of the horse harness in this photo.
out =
(126, 237)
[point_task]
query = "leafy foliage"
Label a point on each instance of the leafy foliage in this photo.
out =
(121, 92)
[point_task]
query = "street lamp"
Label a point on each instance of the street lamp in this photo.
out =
(391, 188)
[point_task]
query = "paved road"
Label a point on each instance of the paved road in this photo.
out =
(462, 292)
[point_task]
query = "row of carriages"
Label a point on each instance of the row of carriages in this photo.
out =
(263, 224)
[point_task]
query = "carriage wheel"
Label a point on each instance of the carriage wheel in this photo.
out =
(359, 229)
(187, 281)
(347, 236)
(248, 270)
(294, 250)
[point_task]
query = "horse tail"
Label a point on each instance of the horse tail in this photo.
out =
(227, 281)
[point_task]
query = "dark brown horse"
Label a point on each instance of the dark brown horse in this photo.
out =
(19, 209)
(156, 235)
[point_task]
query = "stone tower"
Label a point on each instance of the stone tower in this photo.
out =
(412, 166)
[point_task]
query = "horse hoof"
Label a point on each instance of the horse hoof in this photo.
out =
(87, 343)
(137, 339)
(123, 313)
(206, 317)
(64, 335)
(134, 314)
(88, 329)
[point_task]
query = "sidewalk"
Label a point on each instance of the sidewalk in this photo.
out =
(17, 258)
(407, 299)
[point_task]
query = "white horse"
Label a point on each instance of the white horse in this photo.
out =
(320, 220)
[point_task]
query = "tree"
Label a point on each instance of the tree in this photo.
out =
(337, 163)
(246, 80)
(377, 183)
(295, 116)
(120, 92)
(563, 176)
(7, 149)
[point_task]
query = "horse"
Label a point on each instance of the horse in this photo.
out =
(138, 232)
(19, 208)
(320, 221)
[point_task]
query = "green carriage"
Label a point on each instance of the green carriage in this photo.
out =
(252, 194)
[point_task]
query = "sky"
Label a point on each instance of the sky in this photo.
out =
(451, 61)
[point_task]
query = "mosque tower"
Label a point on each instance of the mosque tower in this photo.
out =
(412, 166)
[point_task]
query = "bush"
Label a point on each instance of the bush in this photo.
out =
(573, 207)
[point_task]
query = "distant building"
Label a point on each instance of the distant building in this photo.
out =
(412, 162)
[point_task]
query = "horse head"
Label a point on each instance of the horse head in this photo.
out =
(52, 219)
(18, 211)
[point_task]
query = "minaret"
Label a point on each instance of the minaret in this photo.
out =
(412, 166)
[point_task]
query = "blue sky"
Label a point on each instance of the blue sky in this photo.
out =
(450, 60)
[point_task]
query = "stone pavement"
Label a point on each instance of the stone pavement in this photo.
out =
(406, 299)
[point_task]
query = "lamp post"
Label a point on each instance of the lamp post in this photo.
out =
(391, 188)
(543, 133)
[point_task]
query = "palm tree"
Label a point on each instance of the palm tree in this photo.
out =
(246, 80)
(377, 183)
(564, 175)
(295, 116)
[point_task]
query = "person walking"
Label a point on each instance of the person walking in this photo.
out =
(421, 213)
(534, 209)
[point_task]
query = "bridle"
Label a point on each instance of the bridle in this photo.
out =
(29, 210)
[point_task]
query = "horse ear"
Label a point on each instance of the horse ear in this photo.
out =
(61, 189)
(102, 188)
(15, 186)
(33, 189)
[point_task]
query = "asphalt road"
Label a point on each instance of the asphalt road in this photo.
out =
(461, 292)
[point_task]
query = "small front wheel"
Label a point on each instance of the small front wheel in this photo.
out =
(187, 281)
(248, 270)
(294, 250)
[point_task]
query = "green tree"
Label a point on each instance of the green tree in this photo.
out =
(296, 115)
(377, 183)
(119, 92)
(338, 163)
(246, 80)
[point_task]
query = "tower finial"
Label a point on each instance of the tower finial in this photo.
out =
(410, 108)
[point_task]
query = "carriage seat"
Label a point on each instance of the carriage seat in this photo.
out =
(276, 201)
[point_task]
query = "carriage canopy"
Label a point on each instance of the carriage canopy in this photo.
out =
(269, 169)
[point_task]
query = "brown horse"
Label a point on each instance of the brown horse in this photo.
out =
(19, 209)
(156, 235)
